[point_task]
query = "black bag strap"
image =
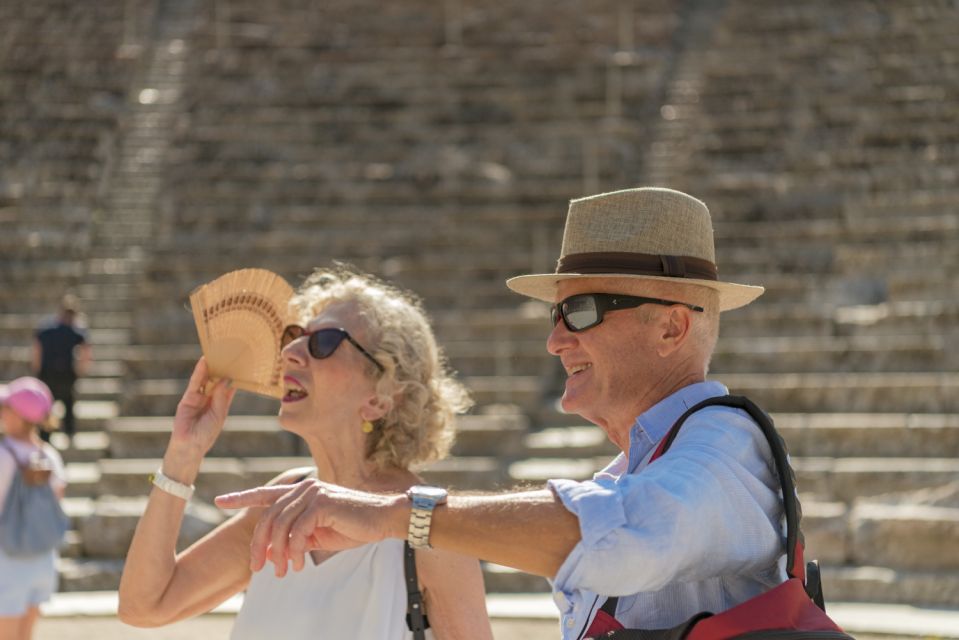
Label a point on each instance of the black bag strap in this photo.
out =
(679, 632)
(787, 480)
(791, 506)
(416, 618)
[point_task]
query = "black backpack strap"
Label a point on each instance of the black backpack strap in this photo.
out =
(679, 632)
(610, 606)
(794, 550)
(416, 618)
(814, 584)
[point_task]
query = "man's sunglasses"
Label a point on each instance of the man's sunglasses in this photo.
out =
(323, 342)
(585, 310)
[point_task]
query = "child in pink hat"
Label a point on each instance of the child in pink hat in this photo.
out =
(25, 582)
(29, 398)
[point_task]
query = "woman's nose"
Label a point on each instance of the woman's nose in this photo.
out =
(295, 352)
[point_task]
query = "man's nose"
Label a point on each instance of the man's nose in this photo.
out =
(560, 338)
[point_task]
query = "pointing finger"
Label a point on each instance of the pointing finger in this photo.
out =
(258, 497)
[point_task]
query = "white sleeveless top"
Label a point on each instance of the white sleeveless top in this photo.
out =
(358, 594)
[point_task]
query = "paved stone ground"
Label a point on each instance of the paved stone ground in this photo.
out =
(515, 617)
(217, 627)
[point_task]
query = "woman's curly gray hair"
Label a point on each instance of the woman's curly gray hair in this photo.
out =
(416, 383)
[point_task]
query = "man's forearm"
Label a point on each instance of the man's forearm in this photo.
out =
(531, 531)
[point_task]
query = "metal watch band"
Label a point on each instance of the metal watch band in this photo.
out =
(418, 533)
(425, 498)
(171, 486)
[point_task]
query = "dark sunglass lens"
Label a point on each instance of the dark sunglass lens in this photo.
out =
(324, 342)
(554, 314)
(580, 312)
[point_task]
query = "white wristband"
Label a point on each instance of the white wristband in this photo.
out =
(171, 486)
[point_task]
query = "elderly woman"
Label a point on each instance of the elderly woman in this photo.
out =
(367, 389)
(28, 580)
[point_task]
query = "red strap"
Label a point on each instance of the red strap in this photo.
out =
(602, 623)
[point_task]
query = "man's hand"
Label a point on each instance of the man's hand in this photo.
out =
(315, 515)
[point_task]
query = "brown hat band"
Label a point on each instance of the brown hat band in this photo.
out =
(643, 264)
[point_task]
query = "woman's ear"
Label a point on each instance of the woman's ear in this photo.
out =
(375, 407)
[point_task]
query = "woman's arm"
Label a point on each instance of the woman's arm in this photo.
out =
(454, 595)
(158, 586)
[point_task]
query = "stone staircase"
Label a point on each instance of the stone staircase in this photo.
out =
(436, 145)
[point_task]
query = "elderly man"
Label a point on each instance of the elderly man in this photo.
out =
(635, 320)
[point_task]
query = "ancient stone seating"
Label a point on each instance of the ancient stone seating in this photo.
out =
(436, 144)
(63, 87)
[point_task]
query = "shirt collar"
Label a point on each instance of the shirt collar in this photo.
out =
(652, 425)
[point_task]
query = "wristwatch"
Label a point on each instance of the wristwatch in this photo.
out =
(425, 498)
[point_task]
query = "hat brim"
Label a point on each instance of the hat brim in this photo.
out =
(543, 286)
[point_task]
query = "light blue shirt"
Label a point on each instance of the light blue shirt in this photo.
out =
(699, 529)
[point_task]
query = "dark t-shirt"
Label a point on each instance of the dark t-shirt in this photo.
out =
(57, 341)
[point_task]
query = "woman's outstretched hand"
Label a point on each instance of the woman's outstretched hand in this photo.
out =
(315, 515)
(202, 410)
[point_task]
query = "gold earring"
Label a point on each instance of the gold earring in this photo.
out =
(367, 426)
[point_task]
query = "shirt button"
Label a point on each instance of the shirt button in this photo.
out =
(570, 622)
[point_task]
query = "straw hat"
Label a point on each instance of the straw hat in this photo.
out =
(649, 233)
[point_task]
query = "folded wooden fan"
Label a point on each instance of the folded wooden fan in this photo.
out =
(240, 317)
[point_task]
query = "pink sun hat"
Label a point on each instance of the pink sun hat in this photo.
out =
(29, 398)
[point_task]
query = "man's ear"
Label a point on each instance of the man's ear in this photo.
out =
(676, 326)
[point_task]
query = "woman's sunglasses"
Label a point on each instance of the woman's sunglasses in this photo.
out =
(585, 310)
(323, 342)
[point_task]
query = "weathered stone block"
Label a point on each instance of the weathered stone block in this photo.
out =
(107, 532)
(905, 536)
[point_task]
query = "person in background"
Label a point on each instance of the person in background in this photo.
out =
(636, 301)
(61, 354)
(367, 389)
(25, 582)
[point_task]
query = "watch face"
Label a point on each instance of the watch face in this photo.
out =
(427, 491)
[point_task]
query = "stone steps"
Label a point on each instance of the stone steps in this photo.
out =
(128, 477)
(919, 392)
(839, 435)
(831, 479)
(498, 432)
(849, 479)
(913, 392)
(844, 480)
(829, 257)
(853, 392)
(160, 397)
(87, 446)
(523, 319)
(880, 584)
(528, 356)
(93, 415)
